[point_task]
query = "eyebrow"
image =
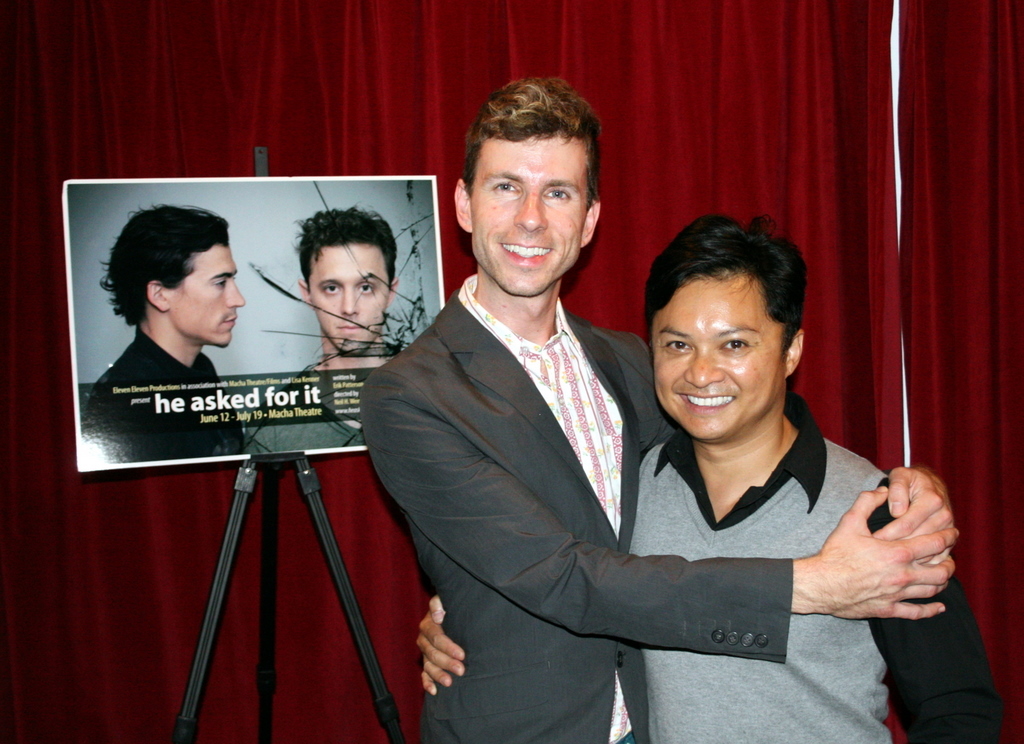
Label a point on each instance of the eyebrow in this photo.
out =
(562, 185)
(557, 183)
(364, 276)
(722, 334)
(504, 176)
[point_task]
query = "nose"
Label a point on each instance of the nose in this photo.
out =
(349, 303)
(532, 214)
(703, 370)
(235, 298)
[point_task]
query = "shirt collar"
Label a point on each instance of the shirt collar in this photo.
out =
(511, 339)
(805, 461)
(147, 347)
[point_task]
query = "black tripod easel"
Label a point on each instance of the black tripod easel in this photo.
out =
(309, 483)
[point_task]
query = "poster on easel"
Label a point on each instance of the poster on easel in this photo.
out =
(214, 319)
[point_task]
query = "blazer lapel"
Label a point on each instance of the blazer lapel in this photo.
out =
(486, 360)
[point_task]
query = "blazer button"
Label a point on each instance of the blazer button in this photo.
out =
(747, 640)
(761, 641)
(618, 659)
(718, 636)
(733, 638)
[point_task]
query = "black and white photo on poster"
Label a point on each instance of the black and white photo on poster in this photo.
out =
(188, 348)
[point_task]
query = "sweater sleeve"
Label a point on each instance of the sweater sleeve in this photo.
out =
(940, 669)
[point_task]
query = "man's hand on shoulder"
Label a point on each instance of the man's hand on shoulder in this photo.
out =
(858, 575)
(920, 502)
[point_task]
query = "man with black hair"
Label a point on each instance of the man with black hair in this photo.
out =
(171, 275)
(749, 474)
(348, 277)
(347, 258)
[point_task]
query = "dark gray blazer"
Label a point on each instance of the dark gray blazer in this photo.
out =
(538, 589)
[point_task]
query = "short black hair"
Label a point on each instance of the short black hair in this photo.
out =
(157, 244)
(332, 227)
(719, 247)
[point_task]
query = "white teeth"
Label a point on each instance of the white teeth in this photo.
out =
(524, 251)
(721, 400)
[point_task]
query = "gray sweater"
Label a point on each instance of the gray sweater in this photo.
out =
(830, 688)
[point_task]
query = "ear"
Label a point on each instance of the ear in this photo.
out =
(462, 208)
(590, 222)
(156, 295)
(304, 291)
(794, 352)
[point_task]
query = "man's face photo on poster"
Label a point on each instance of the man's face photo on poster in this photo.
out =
(348, 263)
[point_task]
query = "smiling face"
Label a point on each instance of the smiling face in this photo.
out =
(528, 215)
(719, 366)
(348, 288)
(202, 309)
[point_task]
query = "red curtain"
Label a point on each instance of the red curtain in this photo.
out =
(739, 107)
(961, 116)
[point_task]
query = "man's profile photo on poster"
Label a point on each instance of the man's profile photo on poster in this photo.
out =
(171, 275)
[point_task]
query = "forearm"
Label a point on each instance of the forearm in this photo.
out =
(484, 509)
(657, 600)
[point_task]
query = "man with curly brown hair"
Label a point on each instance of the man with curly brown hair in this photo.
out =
(511, 434)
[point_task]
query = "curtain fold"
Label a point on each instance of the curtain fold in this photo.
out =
(961, 115)
(730, 106)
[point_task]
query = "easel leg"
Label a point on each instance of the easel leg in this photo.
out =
(266, 674)
(384, 703)
(185, 726)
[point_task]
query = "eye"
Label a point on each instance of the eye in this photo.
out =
(558, 194)
(736, 344)
(504, 186)
(366, 288)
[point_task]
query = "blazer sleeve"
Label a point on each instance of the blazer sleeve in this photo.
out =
(467, 496)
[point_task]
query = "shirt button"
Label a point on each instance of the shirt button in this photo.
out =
(618, 659)
(733, 638)
(718, 636)
(761, 641)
